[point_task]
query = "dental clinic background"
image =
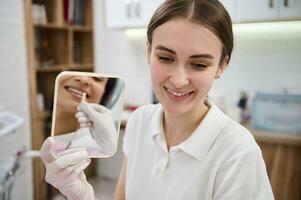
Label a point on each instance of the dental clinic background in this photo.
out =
(266, 58)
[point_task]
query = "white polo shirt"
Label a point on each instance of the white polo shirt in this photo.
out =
(220, 160)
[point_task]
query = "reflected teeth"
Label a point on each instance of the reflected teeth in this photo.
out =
(76, 91)
(178, 94)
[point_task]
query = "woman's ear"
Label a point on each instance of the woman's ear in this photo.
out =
(222, 67)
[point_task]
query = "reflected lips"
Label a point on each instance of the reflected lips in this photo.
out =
(77, 92)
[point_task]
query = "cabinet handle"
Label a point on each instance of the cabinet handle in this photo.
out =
(271, 3)
(285, 3)
(128, 6)
(137, 8)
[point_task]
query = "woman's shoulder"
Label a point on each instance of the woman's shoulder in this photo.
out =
(233, 134)
(237, 137)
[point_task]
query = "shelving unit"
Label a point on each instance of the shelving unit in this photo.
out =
(63, 42)
(281, 153)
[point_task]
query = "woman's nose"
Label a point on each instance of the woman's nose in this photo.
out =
(179, 77)
(83, 79)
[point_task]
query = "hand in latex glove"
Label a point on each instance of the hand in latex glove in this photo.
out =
(100, 121)
(65, 171)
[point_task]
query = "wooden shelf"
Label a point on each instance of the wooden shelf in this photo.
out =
(62, 46)
(58, 68)
(51, 26)
(277, 138)
(77, 28)
(281, 153)
(81, 28)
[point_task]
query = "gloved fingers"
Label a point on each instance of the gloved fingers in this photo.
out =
(99, 108)
(80, 114)
(89, 111)
(57, 176)
(69, 151)
(71, 158)
(76, 170)
(83, 120)
(82, 117)
(46, 153)
(73, 171)
(92, 110)
(86, 125)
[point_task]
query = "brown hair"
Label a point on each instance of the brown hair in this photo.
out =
(209, 13)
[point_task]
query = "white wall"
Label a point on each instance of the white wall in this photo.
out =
(117, 54)
(265, 57)
(14, 90)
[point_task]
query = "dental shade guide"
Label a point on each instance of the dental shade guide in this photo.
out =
(83, 97)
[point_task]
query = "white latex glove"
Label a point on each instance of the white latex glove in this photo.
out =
(100, 121)
(65, 171)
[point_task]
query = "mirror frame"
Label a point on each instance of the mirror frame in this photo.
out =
(91, 74)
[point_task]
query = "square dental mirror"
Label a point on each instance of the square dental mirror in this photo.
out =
(87, 112)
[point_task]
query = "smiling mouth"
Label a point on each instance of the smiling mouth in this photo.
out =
(178, 94)
(76, 91)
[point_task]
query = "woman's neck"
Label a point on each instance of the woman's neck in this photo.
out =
(65, 123)
(178, 128)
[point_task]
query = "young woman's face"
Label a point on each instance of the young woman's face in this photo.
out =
(72, 88)
(185, 60)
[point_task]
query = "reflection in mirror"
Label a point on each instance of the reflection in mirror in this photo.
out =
(87, 113)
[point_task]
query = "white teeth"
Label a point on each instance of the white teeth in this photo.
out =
(76, 91)
(178, 94)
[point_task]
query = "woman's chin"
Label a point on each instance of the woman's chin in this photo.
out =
(175, 109)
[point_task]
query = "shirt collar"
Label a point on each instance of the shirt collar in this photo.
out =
(201, 140)
(158, 132)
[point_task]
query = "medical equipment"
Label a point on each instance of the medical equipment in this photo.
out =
(9, 122)
(277, 112)
(10, 170)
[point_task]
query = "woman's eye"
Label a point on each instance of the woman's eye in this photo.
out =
(199, 66)
(165, 59)
(97, 79)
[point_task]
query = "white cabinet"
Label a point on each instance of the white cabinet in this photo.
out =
(129, 13)
(137, 13)
(290, 9)
(268, 10)
(231, 6)
(257, 10)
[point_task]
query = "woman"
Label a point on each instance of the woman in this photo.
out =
(184, 147)
(72, 129)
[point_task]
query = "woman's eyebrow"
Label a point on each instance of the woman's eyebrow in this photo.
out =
(161, 47)
(208, 56)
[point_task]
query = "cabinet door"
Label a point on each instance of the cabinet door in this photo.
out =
(129, 13)
(148, 8)
(290, 9)
(118, 13)
(230, 5)
(257, 10)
